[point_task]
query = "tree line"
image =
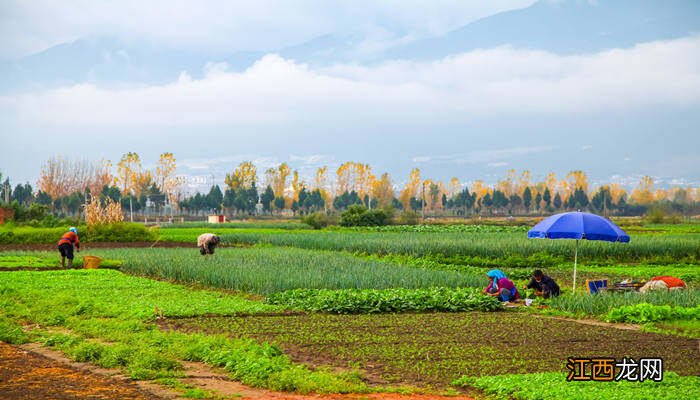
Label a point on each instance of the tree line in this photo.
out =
(66, 186)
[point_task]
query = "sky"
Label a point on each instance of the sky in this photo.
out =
(617, 113)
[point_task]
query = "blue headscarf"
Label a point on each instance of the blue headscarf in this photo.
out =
(496, 274)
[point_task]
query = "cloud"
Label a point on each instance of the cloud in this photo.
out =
(313, 159)
(492, 158)
(222, 25)
(275, 91)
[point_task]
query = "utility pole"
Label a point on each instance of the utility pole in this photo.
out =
(605, 209)
(422, 201)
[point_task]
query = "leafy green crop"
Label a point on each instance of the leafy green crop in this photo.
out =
(553, 385)
(601, 304)
(645, 312)
(353, 301)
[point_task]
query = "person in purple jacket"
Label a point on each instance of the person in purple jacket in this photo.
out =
(501, 286)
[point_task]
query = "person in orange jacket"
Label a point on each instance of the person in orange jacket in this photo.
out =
(663, 282)
(65, 246)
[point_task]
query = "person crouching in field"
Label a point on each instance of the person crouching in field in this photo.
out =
(663, 283)
(501, 286)
(65, 246)
(544, 285)
(207, 242)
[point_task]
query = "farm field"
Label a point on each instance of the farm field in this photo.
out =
(358, 310)
(434, 349)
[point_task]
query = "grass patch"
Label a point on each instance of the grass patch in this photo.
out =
(106, 318)
(123, 232)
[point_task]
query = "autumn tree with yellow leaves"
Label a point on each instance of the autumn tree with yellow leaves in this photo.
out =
(244, 176)
(166, 177)
(411, 189)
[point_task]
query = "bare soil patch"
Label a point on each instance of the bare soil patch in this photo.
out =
(33, 372)
(28, 375)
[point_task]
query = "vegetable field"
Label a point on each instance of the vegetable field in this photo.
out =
(357, 310)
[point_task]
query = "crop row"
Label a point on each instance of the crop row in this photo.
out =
(601, 304)
(656, 249)
(553, 385)
(369, 301)
(645, 313)
(265, 270)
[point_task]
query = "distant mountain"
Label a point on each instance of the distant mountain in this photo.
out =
(560, 26)
(107, 60)
(566, 27)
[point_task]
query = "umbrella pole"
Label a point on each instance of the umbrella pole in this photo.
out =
(575, 261)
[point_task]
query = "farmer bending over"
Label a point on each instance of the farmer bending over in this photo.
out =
(501, 286)
(65, 246)
(207, 242)
(544, 285)
(663, 283)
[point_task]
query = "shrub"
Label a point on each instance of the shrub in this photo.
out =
(357, 215)
(408, 217)
(317, 220)
(120, 232)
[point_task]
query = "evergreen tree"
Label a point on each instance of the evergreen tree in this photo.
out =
(547, 197)
(267, 198)
(557, 202)
(527, 198)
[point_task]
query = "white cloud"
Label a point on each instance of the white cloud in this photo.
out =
(223, 25)
(313, 159)
(497, 164)
(275, 91)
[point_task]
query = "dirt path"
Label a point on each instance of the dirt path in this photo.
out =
(32, 372)
(28, 375)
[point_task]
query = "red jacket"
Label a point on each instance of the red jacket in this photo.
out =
(670, 281)
(69, 237)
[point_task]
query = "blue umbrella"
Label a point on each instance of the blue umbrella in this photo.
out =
(578, 225)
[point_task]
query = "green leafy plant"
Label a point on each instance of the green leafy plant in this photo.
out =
(645, 313)
(353, 301)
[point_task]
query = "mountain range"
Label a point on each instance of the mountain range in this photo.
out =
(562, 27)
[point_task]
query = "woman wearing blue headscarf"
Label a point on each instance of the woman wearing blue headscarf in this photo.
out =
(501, 286)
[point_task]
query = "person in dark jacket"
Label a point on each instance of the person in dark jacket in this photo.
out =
(544, 285)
